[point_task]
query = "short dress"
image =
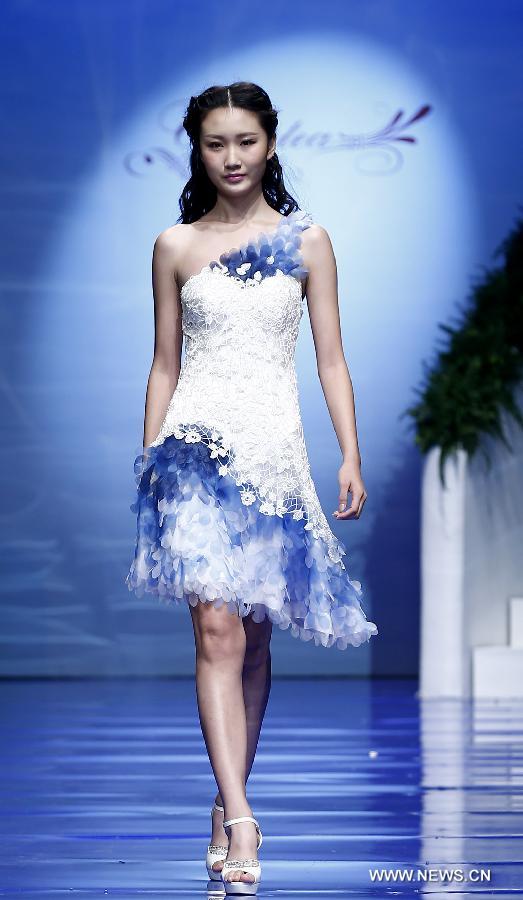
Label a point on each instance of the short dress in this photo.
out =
(227, 511)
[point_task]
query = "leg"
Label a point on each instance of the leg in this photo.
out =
(220, 653)
(257, 671)
(256, 679)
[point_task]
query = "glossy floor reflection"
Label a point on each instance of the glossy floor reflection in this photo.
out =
(106, 790)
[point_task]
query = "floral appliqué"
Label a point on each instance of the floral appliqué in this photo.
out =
(267, 254)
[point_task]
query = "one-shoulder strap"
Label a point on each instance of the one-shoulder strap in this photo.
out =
(296, 223)
(302, 218)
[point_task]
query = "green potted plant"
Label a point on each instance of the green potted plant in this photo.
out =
(467, 392)
(476, 373)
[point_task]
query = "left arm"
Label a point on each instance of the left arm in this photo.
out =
(322, 301)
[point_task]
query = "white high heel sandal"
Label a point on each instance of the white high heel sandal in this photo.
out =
(215, 852)
(252, 866)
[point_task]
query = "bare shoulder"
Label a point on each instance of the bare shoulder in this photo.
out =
(316, 244)
(172, 240)
(170, 249)
(316, 233)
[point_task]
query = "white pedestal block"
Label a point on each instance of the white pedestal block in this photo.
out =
(497, 672)
(516, 621)
(444, 661)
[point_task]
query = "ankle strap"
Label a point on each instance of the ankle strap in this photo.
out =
(240, 819)
(247, 819)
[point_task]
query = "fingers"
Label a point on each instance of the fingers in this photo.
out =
(354, 510)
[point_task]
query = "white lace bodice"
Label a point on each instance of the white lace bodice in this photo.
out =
(237, 389)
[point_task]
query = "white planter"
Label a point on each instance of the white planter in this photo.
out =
(444, 656)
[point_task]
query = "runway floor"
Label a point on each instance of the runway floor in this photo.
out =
(106, 791)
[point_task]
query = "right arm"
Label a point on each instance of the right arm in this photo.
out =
(165, 368)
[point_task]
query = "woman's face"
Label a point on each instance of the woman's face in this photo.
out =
(232, 141)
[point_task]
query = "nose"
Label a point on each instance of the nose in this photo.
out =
(230, 159)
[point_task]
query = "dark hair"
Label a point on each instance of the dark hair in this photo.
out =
(199, 194)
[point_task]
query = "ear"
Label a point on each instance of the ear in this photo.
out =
(272, 148)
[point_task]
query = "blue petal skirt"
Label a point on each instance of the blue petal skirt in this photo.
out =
(197, 541)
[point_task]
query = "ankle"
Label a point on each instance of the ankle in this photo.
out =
(237, 811)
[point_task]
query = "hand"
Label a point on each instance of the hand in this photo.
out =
(349, 477)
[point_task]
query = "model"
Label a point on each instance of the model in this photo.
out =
(228, 518)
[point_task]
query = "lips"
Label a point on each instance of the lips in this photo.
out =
(235, 177)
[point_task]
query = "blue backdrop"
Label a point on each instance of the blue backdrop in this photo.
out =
(400, 131)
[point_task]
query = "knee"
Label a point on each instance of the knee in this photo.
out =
(219, 634)
(258, 646)
(256, 655)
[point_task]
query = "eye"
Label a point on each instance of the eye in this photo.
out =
(213, 144)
